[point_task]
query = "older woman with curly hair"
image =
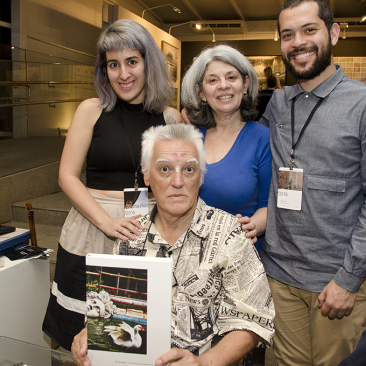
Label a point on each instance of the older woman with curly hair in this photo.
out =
(219, 93)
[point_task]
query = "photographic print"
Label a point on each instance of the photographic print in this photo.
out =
(116, 301)
(128, 308)
(171, 55)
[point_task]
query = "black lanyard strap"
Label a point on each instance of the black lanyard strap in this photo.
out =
(292, 156)
(133, 159)
(138, 165)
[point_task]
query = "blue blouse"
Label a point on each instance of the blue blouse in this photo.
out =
(239, 182)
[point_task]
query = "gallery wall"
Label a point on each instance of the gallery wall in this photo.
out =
(352, 47)
(68, 30)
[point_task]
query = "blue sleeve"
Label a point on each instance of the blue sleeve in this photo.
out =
(264, 159)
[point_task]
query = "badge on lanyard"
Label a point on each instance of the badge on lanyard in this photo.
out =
(290, 180)
(136, 201)
(289, 194)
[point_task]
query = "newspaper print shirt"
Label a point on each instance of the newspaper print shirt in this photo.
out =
(219, 283)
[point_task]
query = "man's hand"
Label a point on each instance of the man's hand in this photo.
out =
(180, 357)
(335, 301)
(185, 118)
(79, 349)
(248, 225)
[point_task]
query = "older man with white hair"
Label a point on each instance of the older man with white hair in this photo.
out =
(221, 306)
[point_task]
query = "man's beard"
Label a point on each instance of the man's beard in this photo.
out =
(322, 61)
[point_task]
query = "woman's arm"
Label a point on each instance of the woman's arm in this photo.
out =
(73, 156)
(254, 225)
(172, 116)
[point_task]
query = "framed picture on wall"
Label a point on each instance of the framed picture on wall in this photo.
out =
(171, 55)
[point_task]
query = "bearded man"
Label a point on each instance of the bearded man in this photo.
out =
(314, 251)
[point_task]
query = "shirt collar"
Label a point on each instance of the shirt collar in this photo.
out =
(199, 226)
(323, 89)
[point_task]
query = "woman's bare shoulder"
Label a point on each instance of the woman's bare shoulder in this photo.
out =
(91, 104)
(172, 116)
(89, 109)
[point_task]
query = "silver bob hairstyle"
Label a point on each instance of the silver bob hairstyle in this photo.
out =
(171, 132)
(119, 36)
(202, 115)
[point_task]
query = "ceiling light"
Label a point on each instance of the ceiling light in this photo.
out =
(213, 35)
(276, 35)
(159, 6)
(178, 25)
(363, 18)
(344, 26)
(198, 26)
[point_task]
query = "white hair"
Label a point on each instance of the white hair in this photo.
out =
(190, 94)
(170, 133)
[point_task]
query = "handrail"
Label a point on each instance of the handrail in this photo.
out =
(59, 46)
(15, 83)
(11, 98)
(70, 63)
(41, 102)
(49, 83)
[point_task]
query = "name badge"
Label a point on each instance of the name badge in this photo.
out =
(136, 201)
(290, 188)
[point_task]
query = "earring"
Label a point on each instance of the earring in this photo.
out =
(203, 104)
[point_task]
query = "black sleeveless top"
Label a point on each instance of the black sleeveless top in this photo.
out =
(109, 162)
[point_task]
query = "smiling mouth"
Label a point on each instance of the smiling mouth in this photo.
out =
(126, 86)
(225, 97)
(303, 55)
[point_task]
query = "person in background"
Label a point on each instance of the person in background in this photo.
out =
(135, 89)
(219, 92)
(220, 325)
(265, 95)
(314, 250)
(268, 72)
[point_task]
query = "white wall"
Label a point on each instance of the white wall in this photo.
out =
(65, 29)
(68, 30)
(75, 24)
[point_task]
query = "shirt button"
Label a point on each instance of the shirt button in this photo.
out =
(306, 96)
(280, 126)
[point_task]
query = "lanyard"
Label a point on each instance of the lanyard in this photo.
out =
(136, 186)
(137, 168)
(141, 251)
(292, 156)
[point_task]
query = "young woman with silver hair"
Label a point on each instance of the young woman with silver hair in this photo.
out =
(219, 93)
(135, 89)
